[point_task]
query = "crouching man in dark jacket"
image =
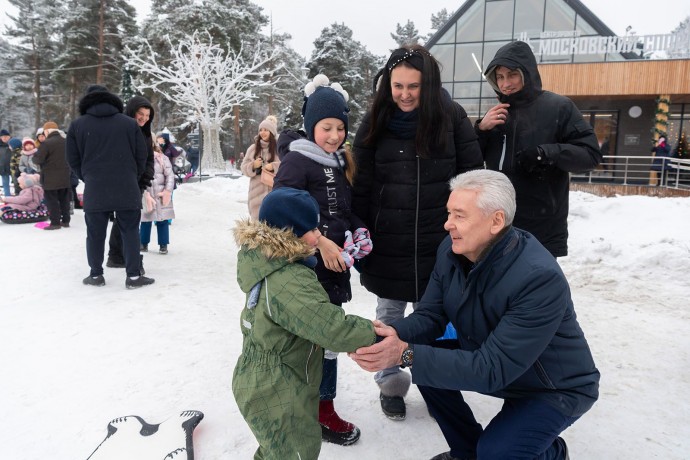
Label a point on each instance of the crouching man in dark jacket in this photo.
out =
(518, 335)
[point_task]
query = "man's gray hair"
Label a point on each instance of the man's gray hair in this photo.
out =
(495, 191)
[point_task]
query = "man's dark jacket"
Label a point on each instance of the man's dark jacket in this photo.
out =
(402, 197)
(108, 152)
(518, 334)
(55, 172)
(5, 157)
(552, 122)
(133, 105)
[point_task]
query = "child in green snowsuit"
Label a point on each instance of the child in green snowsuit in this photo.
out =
(286, 323)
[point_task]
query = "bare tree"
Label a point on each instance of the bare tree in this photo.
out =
(205, 81)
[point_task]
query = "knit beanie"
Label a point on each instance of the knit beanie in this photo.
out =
(39, 131)
(4, 132)
(165, 136)
(271, 125)
(290, 208)
(28, 140)
(14, 143)
(323, 101)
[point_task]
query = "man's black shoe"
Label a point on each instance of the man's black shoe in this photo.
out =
(94, 280)
(132, 283)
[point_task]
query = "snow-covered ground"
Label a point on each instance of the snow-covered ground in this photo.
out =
(74, 357)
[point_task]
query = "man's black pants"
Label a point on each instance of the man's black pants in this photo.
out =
(96, 230)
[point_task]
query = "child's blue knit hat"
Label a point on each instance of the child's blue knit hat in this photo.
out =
(323, 101)
(15, 143)
(290, 208)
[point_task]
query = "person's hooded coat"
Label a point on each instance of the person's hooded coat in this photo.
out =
(286, 323)
(133, 105)
(552, 122)
(107, 150)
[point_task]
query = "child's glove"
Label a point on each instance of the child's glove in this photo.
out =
(362, 239)
(350, 250)
(165, 196)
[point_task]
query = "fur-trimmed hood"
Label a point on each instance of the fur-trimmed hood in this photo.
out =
(265, 249)
(100, 104)
(273, 243)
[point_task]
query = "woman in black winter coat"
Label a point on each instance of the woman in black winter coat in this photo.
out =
(411, 143)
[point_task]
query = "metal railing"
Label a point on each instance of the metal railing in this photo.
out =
(637, 170)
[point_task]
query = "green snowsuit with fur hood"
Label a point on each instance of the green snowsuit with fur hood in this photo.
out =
(286, 323)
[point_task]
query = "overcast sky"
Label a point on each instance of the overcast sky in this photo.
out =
(372, 21)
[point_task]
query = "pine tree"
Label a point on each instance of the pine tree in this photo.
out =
(439, 19)
(34, 49)
(95, 33)
(406, 35)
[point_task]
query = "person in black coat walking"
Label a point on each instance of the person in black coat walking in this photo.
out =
(411, 143)
(107, 150)
(536, 138)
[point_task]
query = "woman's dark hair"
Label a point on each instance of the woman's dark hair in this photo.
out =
(272, 148)
(433, 121)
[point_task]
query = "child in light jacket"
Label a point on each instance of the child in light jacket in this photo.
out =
(157, 205)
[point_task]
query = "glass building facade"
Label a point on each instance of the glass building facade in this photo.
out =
(468, 42)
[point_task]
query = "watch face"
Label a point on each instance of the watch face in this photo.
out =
(407, 357)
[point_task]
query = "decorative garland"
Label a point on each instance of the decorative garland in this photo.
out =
(660, 118)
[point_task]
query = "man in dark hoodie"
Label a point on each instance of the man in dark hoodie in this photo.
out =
(536, 138)
(139, 108)
(107, 150)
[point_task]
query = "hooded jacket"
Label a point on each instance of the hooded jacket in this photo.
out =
(286, 323)
(518, 334)
(402, 199)
(133, 105)
(552, 122)
(107, 150)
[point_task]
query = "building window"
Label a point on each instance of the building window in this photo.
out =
(529, 17)
(499, 20)
(470, 24)
(465, 68)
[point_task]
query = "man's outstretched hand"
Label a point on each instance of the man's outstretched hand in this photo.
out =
(381, 355)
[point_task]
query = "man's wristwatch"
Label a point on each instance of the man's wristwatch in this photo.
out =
(407, 357)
